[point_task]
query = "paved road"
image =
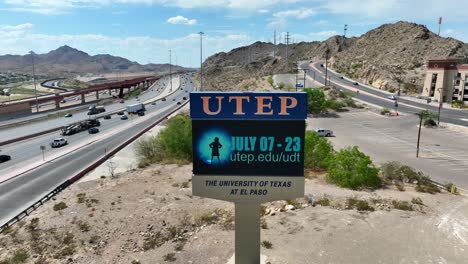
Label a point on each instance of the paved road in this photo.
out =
(443, 151)
(16, 194)
(374, 96)
(23, 130)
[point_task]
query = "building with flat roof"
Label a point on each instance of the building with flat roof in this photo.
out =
(447, 79)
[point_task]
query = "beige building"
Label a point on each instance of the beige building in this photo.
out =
(447, 79)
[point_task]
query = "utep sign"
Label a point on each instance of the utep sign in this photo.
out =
(248, 146)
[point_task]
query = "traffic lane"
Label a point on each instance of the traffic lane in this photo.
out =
(11, 133)
(446, 116)
(454, 114)
(20, 192)
(27, 150)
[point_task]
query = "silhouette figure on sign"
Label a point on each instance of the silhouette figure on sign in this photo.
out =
(215, 146)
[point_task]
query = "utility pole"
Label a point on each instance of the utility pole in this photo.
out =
(274, 44)
(201, 60)
(327, 52)
(170, 68)
(34, 81)
(295, 84)
(304, 77)
(440, 23)
(345, 29)
(287, 43)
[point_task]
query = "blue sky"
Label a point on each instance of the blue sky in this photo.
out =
(145, 30)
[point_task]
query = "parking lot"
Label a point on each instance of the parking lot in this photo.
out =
(443, 151)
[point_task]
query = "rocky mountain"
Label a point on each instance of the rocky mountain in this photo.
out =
(384, 57)
(67, 61)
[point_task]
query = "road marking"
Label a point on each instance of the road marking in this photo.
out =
(464, 119)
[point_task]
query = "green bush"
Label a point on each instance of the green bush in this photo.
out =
(458, 104)
(270, 80)
(316, 100)
(350, 168)
(20, 256)
(173, 143)
(334, 105)
(430, 123)
(317, 151)
(402, 205)
(267, 244)
(395, 173)
(60, 206)
(385, 111)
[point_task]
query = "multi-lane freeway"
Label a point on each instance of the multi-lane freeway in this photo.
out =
(374, 96)
(83, 149)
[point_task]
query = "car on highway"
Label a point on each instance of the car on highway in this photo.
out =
(178, 103)
(164, 99)
(68, 115)
(4, 158)
(58, 142)
(173, 99)
(185, 98)
(341, 77)
(153, 103)
(121, 101)
(355, 83)
(120, 113)
(141, 113)
(392, 97)
(107, 117)
(321, 65)
(299, 85)
(324, 132)
(63, 101)
(93, 130)
(124, 117)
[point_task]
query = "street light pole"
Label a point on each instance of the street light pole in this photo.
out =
(326, 64)
(440, 105)
(34, 81)
(201, 60)
(304, 77)
(170, 68)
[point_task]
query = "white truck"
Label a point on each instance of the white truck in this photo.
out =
(324, 132)
(58, 142)
(136, 109)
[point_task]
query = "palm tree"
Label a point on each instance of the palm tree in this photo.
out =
(423, 116)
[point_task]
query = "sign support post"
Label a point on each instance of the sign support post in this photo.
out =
(247, 236)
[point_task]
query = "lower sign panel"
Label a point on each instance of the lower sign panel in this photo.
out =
(248, 188)
(240, 147)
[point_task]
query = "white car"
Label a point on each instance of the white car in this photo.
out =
(324, 132)
(393, 97)
(58, 142)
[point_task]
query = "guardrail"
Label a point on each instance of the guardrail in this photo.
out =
(83, 172)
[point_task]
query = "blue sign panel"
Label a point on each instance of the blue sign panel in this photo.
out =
(246, 147)
(238, 105)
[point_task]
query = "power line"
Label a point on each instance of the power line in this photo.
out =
(345, 29)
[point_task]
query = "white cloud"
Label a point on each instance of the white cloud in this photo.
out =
(142, 49)
(398, 9)
(181, 20)
(297, 13)
(263, 11)
(64, 6)
(20, 27)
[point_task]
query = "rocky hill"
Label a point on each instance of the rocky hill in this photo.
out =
(69, 61)
(383, 57)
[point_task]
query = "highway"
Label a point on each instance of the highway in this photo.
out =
(376, 97)
(23, 130)
(19, 192)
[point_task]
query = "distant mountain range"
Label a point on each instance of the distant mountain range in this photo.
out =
(382, 57)
(68, 61)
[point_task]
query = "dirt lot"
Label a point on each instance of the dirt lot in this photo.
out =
(148, 214)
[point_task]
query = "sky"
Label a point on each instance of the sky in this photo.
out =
(145, 30)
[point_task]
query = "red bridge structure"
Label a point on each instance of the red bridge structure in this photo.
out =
(25, 106)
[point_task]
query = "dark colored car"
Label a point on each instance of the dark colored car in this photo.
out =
(121, 101)
(341, 77)
(141, 113)
(107, 117)
(93, 130)
(68, 115)
(120, 113)
(185, 98)
(4, 158)
(355, 83)
(164, 99)
(124, 117)
(321, 65)
(178, 103)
